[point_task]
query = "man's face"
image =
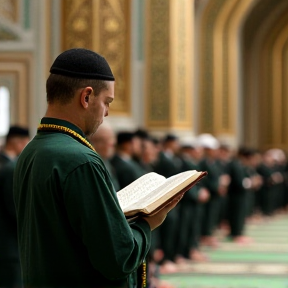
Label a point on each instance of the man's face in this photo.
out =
(137, 146)
(104, 142)
(98, 108)
(19, 144)
(150, 152)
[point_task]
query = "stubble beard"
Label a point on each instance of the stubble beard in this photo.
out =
(91, 132)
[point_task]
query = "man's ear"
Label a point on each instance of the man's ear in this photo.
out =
(84, 96)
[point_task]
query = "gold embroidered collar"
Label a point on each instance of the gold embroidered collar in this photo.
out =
(53, 127)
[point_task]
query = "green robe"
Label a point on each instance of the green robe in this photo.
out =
(237, 197)
(126, 170)
(266, 192)
(168, 165)
(72, 231)
(10, 272)
(212, 206)
(190, 215)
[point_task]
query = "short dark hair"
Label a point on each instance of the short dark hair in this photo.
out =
(62, 88)
(124, 137)
(17, 131)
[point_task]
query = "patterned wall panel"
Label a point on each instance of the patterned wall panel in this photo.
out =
(9, 10)
(10, 13)
(181, 115)
(169, 56)
(182, 78)
(111, 38)
(157, 89)
(77, 24)
(103, 26)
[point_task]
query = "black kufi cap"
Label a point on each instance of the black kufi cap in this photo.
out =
(124, 137)
(170, 137)
(82, 63)
(17, 131)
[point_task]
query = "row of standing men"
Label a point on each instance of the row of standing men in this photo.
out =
(239, 185)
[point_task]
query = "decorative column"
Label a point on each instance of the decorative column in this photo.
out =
(103, 26)
(169, 60)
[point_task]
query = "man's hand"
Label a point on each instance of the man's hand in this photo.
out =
(157, 219)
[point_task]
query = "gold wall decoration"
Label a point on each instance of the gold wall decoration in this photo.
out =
(157, 57)
(77, 24)
(9, 10)
(103, 26)
(169, 56)
(111, 38)
(180, 67)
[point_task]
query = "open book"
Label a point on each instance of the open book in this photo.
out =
(151, 192)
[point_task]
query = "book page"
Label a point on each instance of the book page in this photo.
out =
(139, 188)
(178, 181)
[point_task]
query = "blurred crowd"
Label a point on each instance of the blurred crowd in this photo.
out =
(242, 185)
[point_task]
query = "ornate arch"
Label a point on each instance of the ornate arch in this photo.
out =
(265, 37)
(220, 67)
(243, 59)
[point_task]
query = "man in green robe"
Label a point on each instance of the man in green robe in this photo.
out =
(190, 209)
(72, 231)
(15, 141)
(126, 168)
(216, 183)
(104, 143)
(168, 164)
(10, 272)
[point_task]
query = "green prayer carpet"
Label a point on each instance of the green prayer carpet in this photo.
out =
(261, 264)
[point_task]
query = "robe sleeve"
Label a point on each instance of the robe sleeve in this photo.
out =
(114, 248)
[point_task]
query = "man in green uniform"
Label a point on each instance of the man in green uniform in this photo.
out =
(16, 139)
(169, 164)
(126, 168)
(216, 183)
(72, 231)
(10, 272)
(104, 143)
(190, 209)
(241, 184)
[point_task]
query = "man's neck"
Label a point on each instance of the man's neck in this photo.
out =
(61, 112)
(10, 153)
